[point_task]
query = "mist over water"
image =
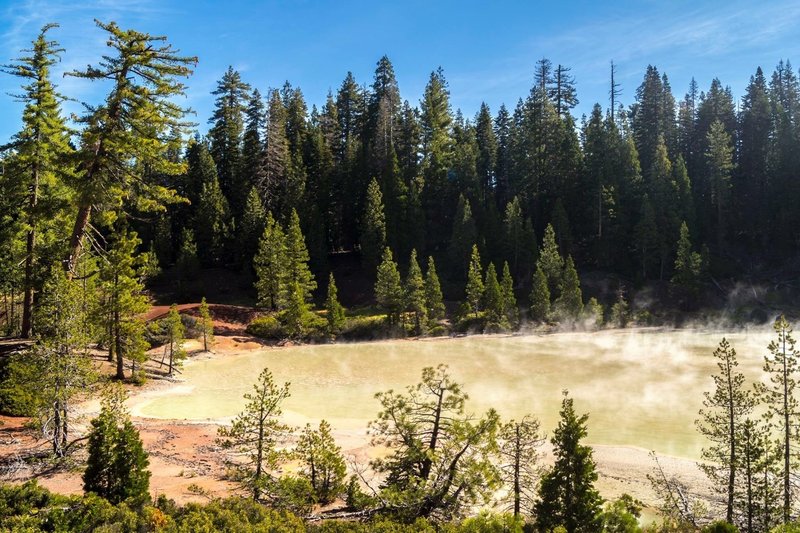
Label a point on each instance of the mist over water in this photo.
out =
(640, 387)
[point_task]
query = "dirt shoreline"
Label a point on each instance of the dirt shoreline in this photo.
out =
(187, 465)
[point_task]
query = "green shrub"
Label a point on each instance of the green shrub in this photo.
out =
(266, 327)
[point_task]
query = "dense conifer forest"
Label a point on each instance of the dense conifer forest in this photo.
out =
(425, 220)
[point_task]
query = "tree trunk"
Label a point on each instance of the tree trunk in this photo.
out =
(27, 302)
(76, 240)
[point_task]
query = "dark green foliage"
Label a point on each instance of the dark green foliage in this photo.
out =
(269, 263)
(433, 293)
(550, 261)
(250, 229)
(116, 468)
(509, 300)
(41, 164)
(567, 496)
(520, 242)
(688, 265)
(464, 236)
(373, 231)
(126, 133)
(540, 297)
(388, 292)
(123, 300)
(493, 301)
(187, 266)
(569, 304)
(415, 301)
(334, 312)
(475, 287)
(299, 281)
(226, 134)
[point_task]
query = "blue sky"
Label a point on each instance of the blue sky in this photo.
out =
(487, 49)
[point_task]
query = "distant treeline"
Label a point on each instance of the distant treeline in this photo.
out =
(369, 170)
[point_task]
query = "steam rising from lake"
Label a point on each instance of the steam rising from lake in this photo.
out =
(640, 387)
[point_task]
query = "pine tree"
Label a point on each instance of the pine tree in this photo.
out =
(464, 235)
(415, 294)
(474, 289)
(211, 224)
(269, 264)
(257, 433)
(276, 157)
(569, 303)
(226, 133)
(252, 171)
(125, 134)
(540, 296)
(296, 269)
(567, 496)
(41, 152)
(688, 265)
(435, 449)
(373, 230)
(756, 493)
(116, 468)
(60, 368)
(781, 403)
(509, 300)
(493, 300)
(176, 334)
(719, 157)
(520, 242)
(436, 123)
(487, 153)
(323, 464)
(519, 462)
(550, 261)
(206, 325)
(334, 312)
(433, 293)
(125, 301)
(187, 265)
(721, 418)
(388, 292)
(251, 228)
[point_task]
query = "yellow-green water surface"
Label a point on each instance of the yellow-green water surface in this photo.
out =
(640, 387)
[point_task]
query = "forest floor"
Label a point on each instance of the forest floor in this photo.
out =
(188, 465)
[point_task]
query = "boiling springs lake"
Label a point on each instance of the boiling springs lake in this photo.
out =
(641, 388)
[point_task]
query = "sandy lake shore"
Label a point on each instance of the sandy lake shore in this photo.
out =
(187, 464)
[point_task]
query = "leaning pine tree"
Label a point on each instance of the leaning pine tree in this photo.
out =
(126, 133)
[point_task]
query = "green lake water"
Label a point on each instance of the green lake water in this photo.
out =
(640, 387)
